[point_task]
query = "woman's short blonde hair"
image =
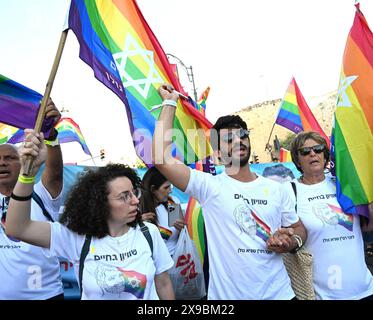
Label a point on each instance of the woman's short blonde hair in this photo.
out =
(300, 140)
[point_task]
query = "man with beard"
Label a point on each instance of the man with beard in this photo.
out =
(243, 265)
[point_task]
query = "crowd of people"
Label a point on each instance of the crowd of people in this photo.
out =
(121, 232)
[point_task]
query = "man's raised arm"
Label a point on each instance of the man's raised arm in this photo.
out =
(175, 171)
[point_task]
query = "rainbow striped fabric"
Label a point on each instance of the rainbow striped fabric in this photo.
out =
(263, 231)
(19, 105)
(345, 220)
(116, 41)
(285, 155)
(134, 282)
(194, 217)
(165, 233)
(294, 113)
(69, 131)
(202, 100)
(352, 134)
(6, 132)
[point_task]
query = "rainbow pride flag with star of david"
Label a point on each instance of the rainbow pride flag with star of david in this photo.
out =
(118, 44)
(352, 138)
(134, 282)
(345, 220)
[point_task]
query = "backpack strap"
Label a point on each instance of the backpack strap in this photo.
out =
(87, 243)
(83, 255)
(295, 193)
(146, 233)
(38, 200)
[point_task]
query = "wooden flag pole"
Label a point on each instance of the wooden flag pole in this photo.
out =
(39, 120)
(270, 135)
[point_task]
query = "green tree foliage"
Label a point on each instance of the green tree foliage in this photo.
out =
(286, 143)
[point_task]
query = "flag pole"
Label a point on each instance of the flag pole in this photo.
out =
(270, 135)
(48, 89)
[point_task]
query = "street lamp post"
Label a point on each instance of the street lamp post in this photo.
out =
(189, 71)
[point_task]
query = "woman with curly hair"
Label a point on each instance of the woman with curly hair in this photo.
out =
(103, 206)
(158, 206)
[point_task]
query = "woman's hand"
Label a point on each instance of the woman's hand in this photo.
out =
(148, 216)
(33, 146)
(179, 224)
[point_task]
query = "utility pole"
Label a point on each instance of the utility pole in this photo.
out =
(189, 71)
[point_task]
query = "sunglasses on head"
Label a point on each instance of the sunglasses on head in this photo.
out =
(241, 133)
(305, 151)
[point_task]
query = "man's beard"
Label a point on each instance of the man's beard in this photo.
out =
(243, 160)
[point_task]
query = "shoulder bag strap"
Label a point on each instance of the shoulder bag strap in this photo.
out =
(146, 233)
(83, 255)
(38, 200)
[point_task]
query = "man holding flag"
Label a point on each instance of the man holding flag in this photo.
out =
(26, 272)
(243, 212)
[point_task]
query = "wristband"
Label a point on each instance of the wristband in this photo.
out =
(53, 143)
(25, 179)
(299, 242)
(18, 198)
(171, 103)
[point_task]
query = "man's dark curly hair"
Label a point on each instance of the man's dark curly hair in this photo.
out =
(225, 122)
(87, 208)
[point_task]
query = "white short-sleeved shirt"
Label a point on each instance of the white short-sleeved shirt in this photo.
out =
(239, 217)
(116, 268)
(169, 234)
(335, 241)
(26, 273)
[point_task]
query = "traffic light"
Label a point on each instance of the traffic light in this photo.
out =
(102, 154)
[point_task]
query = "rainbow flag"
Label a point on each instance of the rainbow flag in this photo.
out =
(345, 220)
(19, 105)
(118, 44)
(263, 231)
(194, 217)
(165, 233)
(352, 138)
(69, 131)
(202, 100)
(134, 282)
(285, 155)
(294, 113)
(6, 132)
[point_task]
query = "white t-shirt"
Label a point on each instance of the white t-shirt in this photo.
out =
(26, 274)
(169, 234)
(239, 217)
(335, 241)
(116, 268)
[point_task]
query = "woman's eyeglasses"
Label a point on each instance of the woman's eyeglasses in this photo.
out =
(127, 196)
(241, 133)
(305, 151)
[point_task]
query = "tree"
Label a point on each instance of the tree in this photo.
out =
(286, 143)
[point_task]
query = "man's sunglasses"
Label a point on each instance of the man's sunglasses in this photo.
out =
(241, 133)
(305, 151)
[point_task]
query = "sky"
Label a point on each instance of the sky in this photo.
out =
(245, 50)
